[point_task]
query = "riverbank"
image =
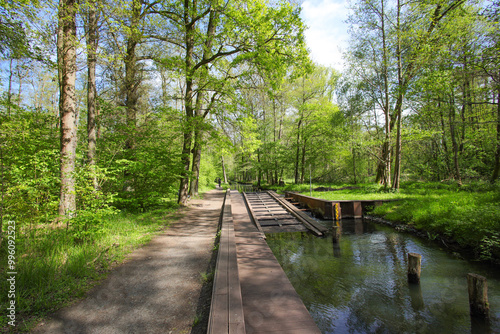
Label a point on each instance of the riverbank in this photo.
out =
(467, 217)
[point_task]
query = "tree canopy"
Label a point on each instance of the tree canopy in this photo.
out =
(136, 104)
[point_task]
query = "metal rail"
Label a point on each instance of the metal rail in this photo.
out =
(270, 212)
(310, 223)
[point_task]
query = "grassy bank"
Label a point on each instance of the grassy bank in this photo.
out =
(54, 267)
(468, 215)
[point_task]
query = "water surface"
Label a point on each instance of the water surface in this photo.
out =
(356, 282)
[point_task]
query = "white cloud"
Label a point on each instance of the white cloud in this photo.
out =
(327, 30)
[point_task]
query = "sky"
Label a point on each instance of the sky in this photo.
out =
(326, 36)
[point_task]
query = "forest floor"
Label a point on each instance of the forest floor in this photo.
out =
(160, 288)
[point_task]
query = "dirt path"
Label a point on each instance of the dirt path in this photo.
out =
(158, 289)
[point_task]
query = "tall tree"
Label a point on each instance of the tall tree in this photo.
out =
(310, 90)
(92, 43)
(389, 77)
(68, 113)
(242, 32)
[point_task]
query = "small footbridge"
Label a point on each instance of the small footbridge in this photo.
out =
(251, 292)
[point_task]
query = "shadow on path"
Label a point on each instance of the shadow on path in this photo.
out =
(158, 289)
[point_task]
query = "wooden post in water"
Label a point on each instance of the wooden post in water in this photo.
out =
(336, 234)
(336, 211)
(478, 296)
(414, 267)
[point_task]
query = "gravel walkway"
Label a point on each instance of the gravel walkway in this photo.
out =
(157, 290)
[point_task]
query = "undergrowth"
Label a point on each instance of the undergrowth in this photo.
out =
(55, 266)
(469, 215)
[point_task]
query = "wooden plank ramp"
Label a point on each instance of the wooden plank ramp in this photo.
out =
(271, 214)
(308, 222)
(270, 303)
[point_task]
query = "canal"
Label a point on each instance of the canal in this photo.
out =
(357, 282)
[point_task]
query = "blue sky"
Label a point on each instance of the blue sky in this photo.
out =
(327, 34)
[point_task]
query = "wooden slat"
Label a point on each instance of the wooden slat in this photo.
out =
(313, 226)
(271, 216)
(270, 222)
(226, 309)
(255, 220)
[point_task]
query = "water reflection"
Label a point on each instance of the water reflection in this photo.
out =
(355, 281)
(336, 234)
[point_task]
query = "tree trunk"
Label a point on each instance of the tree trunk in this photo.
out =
(2, 190)
(297, 154)
(399, 102)
(224, 169)
(185, 161)
(397, 162)
(444, 141)
(131, 91)
(188, 105)
(303, 163)
(454, 143)
(9, 92)
(198, 114)
(92, 40)
(353, 152)
(20, 78)
(496, 169)
(195, 169)
(67, 60)
(384, 165)
(132, 83)
(387, 144)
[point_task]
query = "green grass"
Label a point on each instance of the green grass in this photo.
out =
(54, 268)
(468, 215)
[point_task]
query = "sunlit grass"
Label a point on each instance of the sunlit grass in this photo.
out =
(53, 268)
(468, 215)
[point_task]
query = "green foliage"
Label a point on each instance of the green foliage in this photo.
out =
(208, 172)
(54, 267)
(147, 179)
(29, 164)
(467, 215)
(207, 277)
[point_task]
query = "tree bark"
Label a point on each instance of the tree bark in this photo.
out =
(195, 169)
(223, 169)
(297, 154)
(444, 140)
(67, 60)
(188, 105)
(303, 163)
(454, 143)
(132, 81)
(386, 176)
(9, 91)
(399, 102)
(199, 114)
(2, 190)
(92, 41)
(132, 84)
(259, 171)
(496, 169)
(353, 152)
